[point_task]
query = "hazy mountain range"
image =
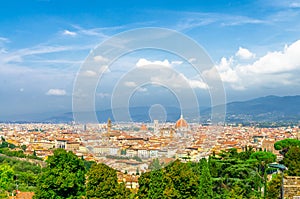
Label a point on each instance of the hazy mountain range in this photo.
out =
(264, 109)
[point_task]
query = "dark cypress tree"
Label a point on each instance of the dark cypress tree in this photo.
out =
(205, 187)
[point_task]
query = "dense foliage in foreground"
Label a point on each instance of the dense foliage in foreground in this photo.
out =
(19, 173)
(232, 175)
(228, 175)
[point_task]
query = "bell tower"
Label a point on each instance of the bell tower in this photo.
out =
(108, 125)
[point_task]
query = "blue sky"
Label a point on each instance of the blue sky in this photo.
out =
(255, 45)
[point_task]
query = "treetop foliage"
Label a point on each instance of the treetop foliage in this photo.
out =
(64, 177)
(286, 143)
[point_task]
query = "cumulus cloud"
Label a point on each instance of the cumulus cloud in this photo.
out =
(198, 84)
(100, 58)
(56, 92)
(69, 33)
(194, 83)
(165, 77)
(227, 73)
(192, 60)
(104, 69)
(273, 68)
(176, 62)
(145, 62)
(166, 63)
(277, 62)
(130, 84)
(90, 73)
(244, 53)
(142, 89)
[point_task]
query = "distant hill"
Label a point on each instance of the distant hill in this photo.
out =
(263, 109)
(138, 114)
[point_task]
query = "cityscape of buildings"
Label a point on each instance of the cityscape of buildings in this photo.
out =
(131, 147)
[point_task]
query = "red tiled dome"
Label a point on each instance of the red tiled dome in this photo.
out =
(143, 127)
(181, 123)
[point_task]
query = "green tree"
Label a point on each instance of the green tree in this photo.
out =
(205, 186)
(88, 164)
(123, 152)
(157, 185)
(286, 143)
(11, 146)
(6, 176)
(237, 192)
(262, 156)
(4, 144)
(263, 159)
(181, 180)
(155, 165)
(144, 185)
(274, 187)
(24, 147)
(245, 155)
(102, 182)
(292, 161)
(64, 177)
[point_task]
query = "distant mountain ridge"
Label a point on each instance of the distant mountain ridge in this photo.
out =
(269, 108)
(264, 109)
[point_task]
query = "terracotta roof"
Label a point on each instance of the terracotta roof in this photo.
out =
(23, 195)
(181, 123)
(143, 127)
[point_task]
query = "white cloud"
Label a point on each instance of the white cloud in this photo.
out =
(145, 62)
(94, 32)
(276, 62)
(4, 40)
(69, 33)
(100, 58)
(226, 72)
(179, 80)
(90, 73)
(18, 56)
(192, 20)
(3, 51)
(176, 62)
(130, 84)
(192, 60)
(244, 53)
(56, 92)
(94, 73)
(194, 83)
(277, 68)
(21, 55)
(142, 89)
(197, 84)
(165, 77)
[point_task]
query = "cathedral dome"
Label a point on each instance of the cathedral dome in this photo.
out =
(181, 123)
(143, 128)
